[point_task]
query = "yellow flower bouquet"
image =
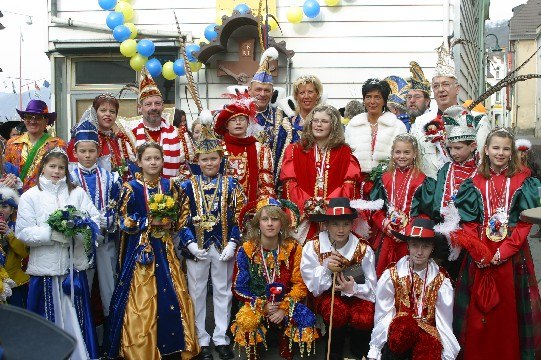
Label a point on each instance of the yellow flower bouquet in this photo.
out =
(162, 208)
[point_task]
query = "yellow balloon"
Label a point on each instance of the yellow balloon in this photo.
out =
(332, 2)
(168, 72)
(128, 48)
(133, 30)
(272, 23)
(126, 9)
(294, 14)
(138, 61)
(219, 17)
(195, 66)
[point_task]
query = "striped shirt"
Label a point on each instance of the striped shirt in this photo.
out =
(177, 146)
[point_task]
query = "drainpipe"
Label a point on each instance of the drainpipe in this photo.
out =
(481, 41)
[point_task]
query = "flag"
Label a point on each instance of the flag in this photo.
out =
(36, 86)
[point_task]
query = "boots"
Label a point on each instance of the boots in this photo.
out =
(337, 343)
(359, 342)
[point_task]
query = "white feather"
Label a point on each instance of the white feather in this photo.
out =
(271, 53)
(206, 117)
(523, 142)
(8, 193)
(232, 89)
(283, 104)
(451, 219)
(360, 204)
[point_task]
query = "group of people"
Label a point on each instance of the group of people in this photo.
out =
(304, 226)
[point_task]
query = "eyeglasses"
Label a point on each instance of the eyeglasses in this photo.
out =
(36, 118)
(416, 97)
(444, 85)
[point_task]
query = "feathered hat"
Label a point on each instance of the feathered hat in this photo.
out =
(242, 105)
(87, 128)
(263, 74)
(208, 142)
(461, 123)
(399, 90)
(9, 196)
(418, 81)
(523, 144)
(147, 86)
(250, 209)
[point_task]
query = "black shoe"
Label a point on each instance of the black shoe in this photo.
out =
(224, 351)
(206, 353)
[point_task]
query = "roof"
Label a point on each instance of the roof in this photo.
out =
(523, 25)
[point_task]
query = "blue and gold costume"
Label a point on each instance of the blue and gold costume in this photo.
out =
(151, 312)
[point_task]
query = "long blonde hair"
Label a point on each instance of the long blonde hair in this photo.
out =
(305, 80)
(410, 139)
(336, 137)
(254, 233)
(514, 165)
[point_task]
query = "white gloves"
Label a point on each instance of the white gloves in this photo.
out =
(197, 252)
(229, 251)
(59, 237)
(8, 284)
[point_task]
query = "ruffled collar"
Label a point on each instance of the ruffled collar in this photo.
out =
(48, 185)
(87, 170)
(251, 249)
(499, 172)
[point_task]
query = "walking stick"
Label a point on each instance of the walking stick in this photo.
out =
(330, 322)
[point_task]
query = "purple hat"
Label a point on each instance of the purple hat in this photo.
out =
(38, 107)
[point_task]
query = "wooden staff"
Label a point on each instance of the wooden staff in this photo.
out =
(330, 322)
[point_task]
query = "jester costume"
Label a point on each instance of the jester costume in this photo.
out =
(405, 194)
(151, 311)
(254, 286)
(497, 301)
(311, 176)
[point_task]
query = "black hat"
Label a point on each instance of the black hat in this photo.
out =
(423, 229)
(338, 208)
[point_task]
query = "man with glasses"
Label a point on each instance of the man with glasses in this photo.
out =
(26, 151)
(177, 145)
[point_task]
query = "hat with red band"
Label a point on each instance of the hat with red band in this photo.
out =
(338, 208)
(417, 229)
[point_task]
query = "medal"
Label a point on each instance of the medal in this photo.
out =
(207, 222)
(496, 228)
(320, 167)
(398, 217)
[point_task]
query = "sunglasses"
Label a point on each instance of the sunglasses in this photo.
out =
(36, 118)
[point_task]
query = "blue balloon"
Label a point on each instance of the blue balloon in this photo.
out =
(146, 47)
(311, 8)
(154, 67)
(107, 4)
(121, 33)
(114, 19)
(242, 8)
(210, 33)
(190, 49)
(178, 67)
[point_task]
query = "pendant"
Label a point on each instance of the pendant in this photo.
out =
(320, 182)
(496, 229)
(207, 222)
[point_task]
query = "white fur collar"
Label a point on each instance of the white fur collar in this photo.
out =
(387, 119)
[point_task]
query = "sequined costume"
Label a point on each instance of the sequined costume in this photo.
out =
(151, 311)
(252, 287)
(398, 303)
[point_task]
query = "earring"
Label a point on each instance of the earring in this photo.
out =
(259, 233)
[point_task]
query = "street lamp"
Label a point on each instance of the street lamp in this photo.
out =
(498, 48)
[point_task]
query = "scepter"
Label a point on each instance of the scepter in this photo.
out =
(332, 311)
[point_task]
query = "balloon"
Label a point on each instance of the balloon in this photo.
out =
(311, 8)
(210, 33)
(294, 14)
(126, 10)
(332, 2)
(242, 8)
(146, 47)
(219, 17)
(272, 23)
(133, 30)
(195, 66)
(190, 49)
(178, 67)
(121, 33)
(107, 4)
(168, 72)
(154, 67)
(138, 61)
(128, 48)
(114, 19)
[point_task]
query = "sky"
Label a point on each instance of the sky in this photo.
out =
(35, 64)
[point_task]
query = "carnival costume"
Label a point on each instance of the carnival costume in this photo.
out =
(414, 308)
(210, 207)
(27, 156)
(50, 262)
(178, 148)
(15, 250)
(397, 97)
(6, 283)
(264, 276)
(498, 301)
(103, 188)
(248, 161)
(312, 176)
(355, 310)
(151, 311)
(406, 193)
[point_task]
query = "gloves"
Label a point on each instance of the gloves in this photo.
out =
(103, 222)
(59, 237)
(229, 251)
(197, 252)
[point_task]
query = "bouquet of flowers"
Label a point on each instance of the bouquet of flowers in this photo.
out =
(378, 170)
(315, 205)
(69, 221)
(162, 208)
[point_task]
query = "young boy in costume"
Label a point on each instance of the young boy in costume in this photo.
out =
(209, 207)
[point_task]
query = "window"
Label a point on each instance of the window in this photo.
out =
(102, 72)
(498, 96)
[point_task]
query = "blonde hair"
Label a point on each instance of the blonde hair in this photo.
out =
(410, 139)
(305, 80)
(514, 165)
(336, 137)
(273, 211)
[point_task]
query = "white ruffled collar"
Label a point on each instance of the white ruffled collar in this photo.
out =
(48, 185)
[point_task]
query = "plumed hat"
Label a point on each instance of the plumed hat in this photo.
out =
(242, 105)
(263, 74)
(9, 196)
(462, 125)
(399, 90)
(418, 81)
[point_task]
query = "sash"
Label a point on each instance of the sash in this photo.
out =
(32, 154)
